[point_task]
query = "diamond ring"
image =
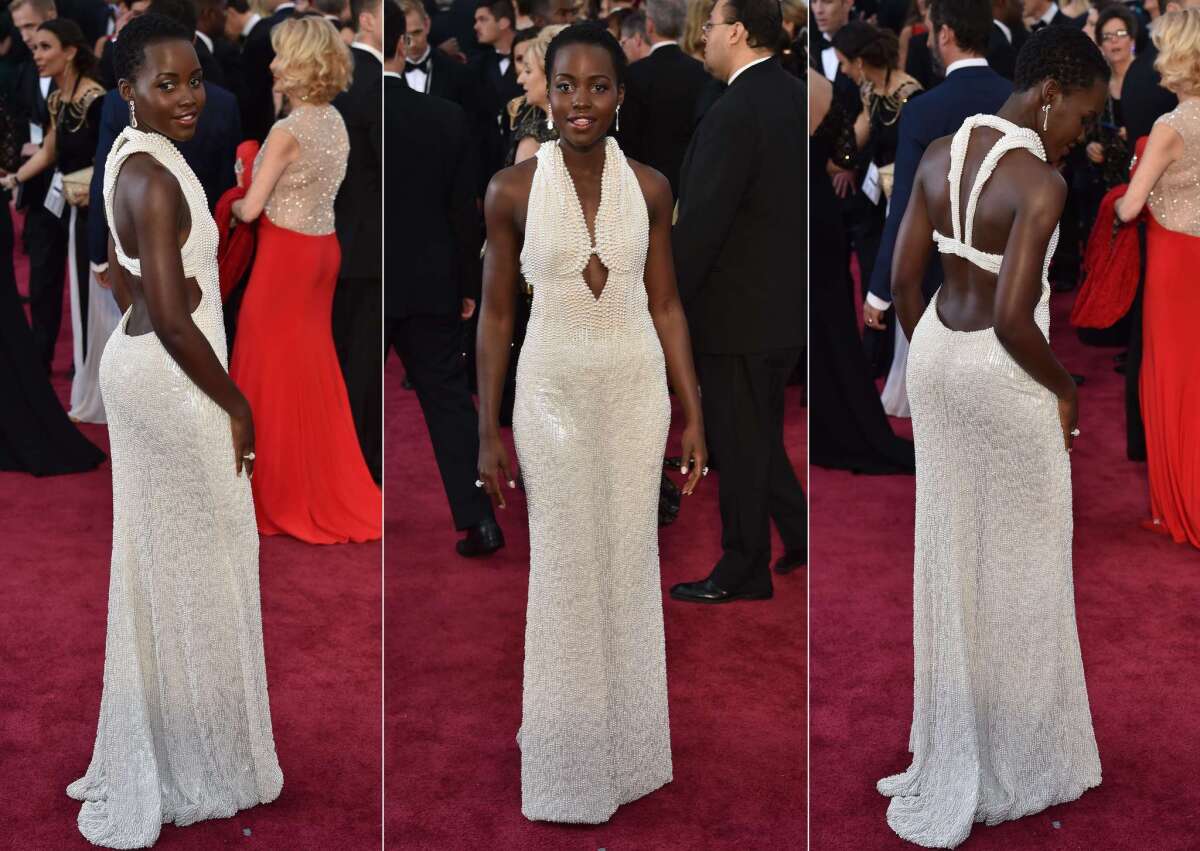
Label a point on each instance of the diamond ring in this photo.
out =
(249, 456)
(1074, 432)
(478, 483)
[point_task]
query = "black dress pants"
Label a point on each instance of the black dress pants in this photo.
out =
(430, 347)
(358, 337)
(743, 402)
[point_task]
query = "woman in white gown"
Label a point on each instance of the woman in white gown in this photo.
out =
(185, 726)
(1001, 722)
(591, 233)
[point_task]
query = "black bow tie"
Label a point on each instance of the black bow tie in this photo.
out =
(422, 66)
(1039, 25)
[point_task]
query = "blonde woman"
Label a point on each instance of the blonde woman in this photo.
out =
(310, 481)
(532, 126)
(693, 28)
(1167, 181)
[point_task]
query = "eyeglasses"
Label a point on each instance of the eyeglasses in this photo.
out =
(1114, 35)
(708, 26)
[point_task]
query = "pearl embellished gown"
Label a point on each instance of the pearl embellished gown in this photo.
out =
(1001, 724)
(185, 725)
(590, 425)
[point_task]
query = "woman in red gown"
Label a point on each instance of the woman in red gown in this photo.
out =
(310, 479)
(1167, 181)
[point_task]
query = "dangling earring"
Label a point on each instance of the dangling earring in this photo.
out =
(549, 119)
(1045, 117)
(132, 115)
(618, 128)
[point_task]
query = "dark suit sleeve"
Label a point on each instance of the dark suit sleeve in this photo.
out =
(229, 141)
(909, 150)
(464, 211)
(112, 121)
(723, 154)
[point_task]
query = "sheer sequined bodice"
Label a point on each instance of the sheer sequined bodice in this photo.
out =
(1175, 200)
(960, 243)
(303, 198)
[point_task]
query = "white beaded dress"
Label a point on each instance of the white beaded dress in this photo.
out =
(590, 426)
(1001, 724)
(185, 726)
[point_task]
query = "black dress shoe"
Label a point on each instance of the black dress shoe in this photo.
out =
(790, 560)
(707, 592)
(481, 540)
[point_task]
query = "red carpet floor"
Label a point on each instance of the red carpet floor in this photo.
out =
(321, 624)
(455, 632)
(1139, 627)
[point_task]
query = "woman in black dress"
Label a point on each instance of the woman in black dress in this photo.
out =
(35, 435)
(60, 52)
(847, 427)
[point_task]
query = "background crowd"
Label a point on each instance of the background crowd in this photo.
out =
(297, 106)
(487, 59)
(892, 76)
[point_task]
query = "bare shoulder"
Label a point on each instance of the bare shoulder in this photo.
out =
(655, 187)
(1036, 185)
(935, 162)
(509, 188)
(151, 181)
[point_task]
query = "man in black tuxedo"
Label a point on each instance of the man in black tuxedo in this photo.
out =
(433, 277)
(429, 70)
(242, 22)
(43, 236)
(662, 94)
(210, 30)
(93, 16)
(258, 100)
(958, 38)
(358, 212)
(741, 225)
(495, 28)
(1007, 36)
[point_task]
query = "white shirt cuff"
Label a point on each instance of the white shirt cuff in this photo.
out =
(877, 303)
(97, 268)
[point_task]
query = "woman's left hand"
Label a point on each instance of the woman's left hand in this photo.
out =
(695, 457)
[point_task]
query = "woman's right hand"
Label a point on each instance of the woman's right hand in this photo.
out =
(495, 469)
(242, 425)
(1068, 418)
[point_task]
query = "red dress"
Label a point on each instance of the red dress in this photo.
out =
(1171, 357)
(310, 479)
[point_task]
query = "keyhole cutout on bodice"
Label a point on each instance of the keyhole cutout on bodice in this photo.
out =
(595, 273)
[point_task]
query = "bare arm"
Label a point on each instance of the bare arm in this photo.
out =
(282, 149)
(1164, 146)
(820, 98)
(666, 310)
(1019, 287)
(154, 216)
(914, 244)
(493, 339)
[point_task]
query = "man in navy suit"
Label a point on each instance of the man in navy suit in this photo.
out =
(958, 39)
(210, 152)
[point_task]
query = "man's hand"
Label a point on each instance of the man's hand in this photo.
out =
(873, 318)
(468, 308)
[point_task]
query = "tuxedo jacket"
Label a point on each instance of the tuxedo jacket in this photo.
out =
(740, 238)
(1001, 54)
(31, 109)
(495, 89)
(1143, 99)
(258, 100)
(452, 81)
(937, 113)
(358, 209)
(432, 251)
(662, 93)
(211, 153)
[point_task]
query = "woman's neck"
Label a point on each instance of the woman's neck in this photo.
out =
(883, 80)
(66, 82)
(1021, 111)
(584, 160)
(1119, 68)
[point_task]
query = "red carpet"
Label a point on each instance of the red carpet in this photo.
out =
(321, 623)
(1138, 624)
(455, 633)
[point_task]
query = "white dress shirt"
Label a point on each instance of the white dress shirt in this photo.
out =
(738, 72)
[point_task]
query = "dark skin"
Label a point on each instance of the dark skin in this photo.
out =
(584, 97)
(150, 216)
(1017, 212)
